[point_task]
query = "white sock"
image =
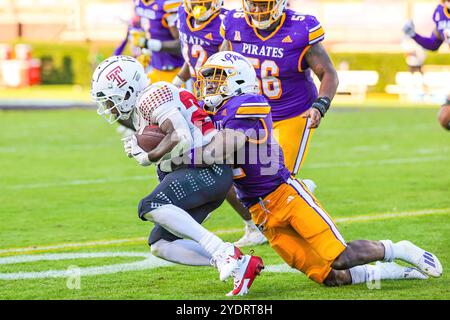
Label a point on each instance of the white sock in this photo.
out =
(181, 224)
(211, 243)
(250, 225)
(388, 250)
(358, 274)
(177, 221)
(182, 251)
(394, 251)
(383, 271)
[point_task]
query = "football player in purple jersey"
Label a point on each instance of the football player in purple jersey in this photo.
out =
(295, 222)
(285, 47)
(440, 35)
(198, 24)
(162, 39)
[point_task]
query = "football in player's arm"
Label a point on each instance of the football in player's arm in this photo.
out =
(296, 224)
(186, 197)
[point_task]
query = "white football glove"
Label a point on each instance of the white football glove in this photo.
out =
(140, 155)
(154, 45)
(409, 29)
(127, 145)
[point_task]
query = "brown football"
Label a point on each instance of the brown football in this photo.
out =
(444, 116)
(149, 137)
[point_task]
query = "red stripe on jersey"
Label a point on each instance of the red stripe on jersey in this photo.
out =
(199, 118)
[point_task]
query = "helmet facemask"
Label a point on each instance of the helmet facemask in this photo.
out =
(261, 14)
(202, 10)
(113, 107)
(212, 85)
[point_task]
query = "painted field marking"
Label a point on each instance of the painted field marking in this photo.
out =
(395, 161)
(149, 262)
(358, 218)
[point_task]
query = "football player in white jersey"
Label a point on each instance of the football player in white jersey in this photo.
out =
(185, 197)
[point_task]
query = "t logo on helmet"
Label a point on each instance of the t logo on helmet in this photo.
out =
(114, 75)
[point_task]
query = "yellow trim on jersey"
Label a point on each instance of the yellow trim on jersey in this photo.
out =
(283, 18)
(222, 31)
(302, 55)
(203, 25)
(316, 34)
(169, 7)
(239, 176)
(444, 8)
(253, 110)
(147, 2)
(266, 136)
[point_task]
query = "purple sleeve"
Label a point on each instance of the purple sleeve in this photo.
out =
(433, 43)
(251, 127)
(120, 48)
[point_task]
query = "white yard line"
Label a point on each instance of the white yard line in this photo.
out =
(148, 262)
(153, 176)
(81, 182)
(358, 218)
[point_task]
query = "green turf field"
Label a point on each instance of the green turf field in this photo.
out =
(67, 188)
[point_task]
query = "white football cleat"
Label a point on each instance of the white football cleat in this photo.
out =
(425, 261)
(249, 267)
(391, 270)
(251, 237)
(309, 184)
(226, 260)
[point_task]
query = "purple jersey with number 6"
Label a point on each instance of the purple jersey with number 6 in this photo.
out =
(156, 12)
(198, 43)
(278, 57)
(441, 18)
(259, 168)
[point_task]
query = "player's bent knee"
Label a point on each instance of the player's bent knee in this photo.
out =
(145, 207)
(157, 248)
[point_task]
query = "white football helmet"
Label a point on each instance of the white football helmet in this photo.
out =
(261, 14)
(224, 75)
(199, 8)
(116, 83)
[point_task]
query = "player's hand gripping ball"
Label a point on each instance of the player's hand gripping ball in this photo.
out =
(149, 137)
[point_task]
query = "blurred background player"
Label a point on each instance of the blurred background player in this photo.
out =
(134, 30)
(284, 46)
(162, 39)
(199, 27)
(440, 35)
(296, 224)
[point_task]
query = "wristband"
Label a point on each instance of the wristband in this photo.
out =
(322, 104)
(177, 81)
